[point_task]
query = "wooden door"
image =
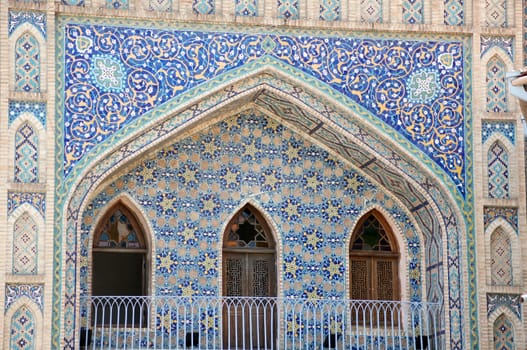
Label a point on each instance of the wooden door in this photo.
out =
(249, 322)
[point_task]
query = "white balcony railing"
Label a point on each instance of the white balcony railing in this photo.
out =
(257, 323)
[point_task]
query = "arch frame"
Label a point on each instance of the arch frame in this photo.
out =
(41, 233)
(517, 324)
(39, 129)
(139, 214)
(13, 39)
(512, 164)
(130, 148)
(501, 223)
(273, 230)
(35, 311)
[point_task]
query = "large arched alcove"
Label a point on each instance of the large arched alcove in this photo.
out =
(419, 191)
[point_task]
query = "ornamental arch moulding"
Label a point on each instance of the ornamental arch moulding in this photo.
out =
(345, 130)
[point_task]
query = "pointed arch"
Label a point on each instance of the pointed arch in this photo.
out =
(497, 96)
(28, 59)
(502, 252)
(23, 333)
(410, 191)
(498, 172)
(25, 135)
(503, 333)
(120, 247)
(374, 259)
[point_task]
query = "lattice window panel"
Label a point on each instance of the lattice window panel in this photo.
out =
(27, 64)
(234, 277)
(260, 278)
(496, 13)
(22, 333)
(245, 230)
(498, 171)
(503, 334)
(385, 280)
(25, 246)
(359, 280)
(497, 99)
(26, 155)
(501, 259)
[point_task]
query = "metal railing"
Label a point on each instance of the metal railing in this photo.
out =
(257, 323)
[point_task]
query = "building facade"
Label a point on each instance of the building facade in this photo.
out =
(308, 150)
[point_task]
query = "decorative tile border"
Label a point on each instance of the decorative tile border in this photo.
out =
(510, 301)
(508, 214)
(454, 274)
(505, 43)
(507, 129)
(37, 109)
(13, 292)
(35, 199)
(17, 18)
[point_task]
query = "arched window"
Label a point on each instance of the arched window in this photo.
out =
(27, 64)
(374, 260)
(498, 171)
(249, 271)
(119, 255)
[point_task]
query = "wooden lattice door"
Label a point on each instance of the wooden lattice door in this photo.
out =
(249, 281)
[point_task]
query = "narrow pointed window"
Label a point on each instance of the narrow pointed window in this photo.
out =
(374, 260)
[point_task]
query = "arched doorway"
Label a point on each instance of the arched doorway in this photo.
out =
(118, 266)
(249, 282)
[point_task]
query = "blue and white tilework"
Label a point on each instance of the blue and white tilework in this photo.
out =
(505, 128)
(17, 18)
(505, 43)
(510, 301)
(34, 292)
(37, 109)
(35, 199)
(144, 77)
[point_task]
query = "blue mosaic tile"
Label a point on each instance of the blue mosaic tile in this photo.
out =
(246, 8)
(73, 2)
(34, 292)
(118, 4)
(413, 11)
(510, 301)
(330, 10)
(454, 14)
(35, 199)
(507, 129)
(17, 108)
(211, 183)
(17, 18)
(510, 215)
(152, 79)
(505, 43)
